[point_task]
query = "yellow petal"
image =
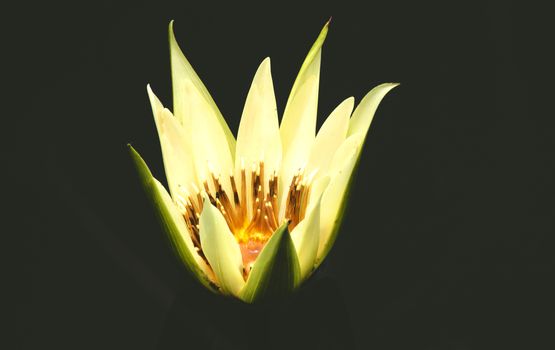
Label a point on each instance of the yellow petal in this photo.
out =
(330, 136)
(296, 154)
(333, 204)
(258, 137)
(351, 144)
(298, 126)
(183, 75)
(364, 113)
(221, 249)
(176, 147)
(211, 154)
(306, 237)
(309, 69)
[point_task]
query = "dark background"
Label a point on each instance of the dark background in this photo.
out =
(448, 239)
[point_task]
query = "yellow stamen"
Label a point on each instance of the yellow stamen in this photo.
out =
(251, 212)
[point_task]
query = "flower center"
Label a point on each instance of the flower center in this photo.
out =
(251, 210)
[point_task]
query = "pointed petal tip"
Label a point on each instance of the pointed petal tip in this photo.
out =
(308, 79)
(141, 166)
(171, 33)
(155, 102)
(383, 87)
(348, 103)
(324, 32)
(265, 65)
(350, 100)
(151, 95)
(132, 150)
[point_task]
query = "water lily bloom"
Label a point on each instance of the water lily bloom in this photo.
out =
(253, 217)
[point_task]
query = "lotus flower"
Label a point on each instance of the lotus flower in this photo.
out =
(254, 217)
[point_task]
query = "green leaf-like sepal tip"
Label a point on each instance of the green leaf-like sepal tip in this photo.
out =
(276, 271)
(167, 220)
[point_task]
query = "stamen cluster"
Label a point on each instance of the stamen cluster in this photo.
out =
(251, 211)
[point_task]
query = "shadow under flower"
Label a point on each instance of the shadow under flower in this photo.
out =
(315, 317)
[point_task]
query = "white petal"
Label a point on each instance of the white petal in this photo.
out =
(258, 137)
(332, 203)
(184, 231)
(330, 136)
(306, 237)
(186, 81)
(211, 154)
(221, 249)
(364, 113)
(175, 145)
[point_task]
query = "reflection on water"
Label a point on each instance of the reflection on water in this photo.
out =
(313, 318)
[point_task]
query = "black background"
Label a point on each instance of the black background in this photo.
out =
(448, 239)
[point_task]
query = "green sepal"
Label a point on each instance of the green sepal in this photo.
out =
(276, 271)
(166, 220)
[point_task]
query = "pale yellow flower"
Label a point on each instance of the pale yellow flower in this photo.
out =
(254, 217)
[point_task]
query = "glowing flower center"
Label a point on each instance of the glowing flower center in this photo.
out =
(251, 211)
